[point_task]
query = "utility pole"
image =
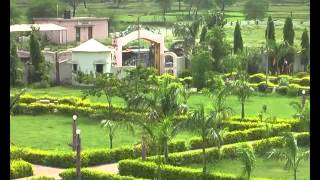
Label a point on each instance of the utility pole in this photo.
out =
(139, 60)
(267, 39)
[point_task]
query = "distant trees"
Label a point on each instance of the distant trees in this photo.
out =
(74, 4)
(223, 3)
(14, 12)
(288, 31)
(256, 9)
(237, 39)
(305, 45)
(165, 5)
(44, 8)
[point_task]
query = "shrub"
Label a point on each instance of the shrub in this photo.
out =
(283, 82)
(89, 174)
(40, 85)
(257, 78)
(303, 139)
(283, 90)
(20, 168)
(302, 74)
(305, 81)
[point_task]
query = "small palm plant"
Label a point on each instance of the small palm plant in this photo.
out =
(290, 153)
(15, 99)
(112, 127)
(302, 113)
(247, 157)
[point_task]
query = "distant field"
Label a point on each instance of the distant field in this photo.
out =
(253, 35)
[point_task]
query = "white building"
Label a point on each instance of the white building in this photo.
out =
(92, 56)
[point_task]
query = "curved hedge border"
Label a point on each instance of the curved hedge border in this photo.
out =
(229, 151)
(89, 174)
(243, 135)
(143, 169)
(90, 157)
(20, 168)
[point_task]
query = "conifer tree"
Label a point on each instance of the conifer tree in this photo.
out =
(288, 32)
(270, 30)
(237, 39)
(305, 48)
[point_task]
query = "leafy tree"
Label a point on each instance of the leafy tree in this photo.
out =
(247, 157)
(243, 91)
(112, 127)
(105, 84)
(223, 3)
(165, 5)
(207, 128)
(220, 108)
(14, 12)
(74, 4)
(278, 52)
(189, 32)
(288, 31)
(215, 19)
(237, 39)
(16, 66)
(254, 9)
(201, 62)
(270, 30)
(290, 153)
(305, 45)
(218, 45)
(44, 8)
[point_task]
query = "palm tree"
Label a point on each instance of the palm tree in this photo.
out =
(207, 128)
(221, 109)
(290, 153)
(167, 131)
(112, 128)
(247, 157)
(243, 91)
(302, 113)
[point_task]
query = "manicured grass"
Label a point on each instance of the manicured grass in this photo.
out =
(55, 132)
(277, 105)
(267, 168)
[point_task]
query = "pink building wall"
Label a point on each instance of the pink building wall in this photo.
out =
(99, 28)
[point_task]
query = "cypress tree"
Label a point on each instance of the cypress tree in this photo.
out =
(305, 48)
(16, 68)
(237, 39)
(35, 50)
(288, 32)
(270, 30)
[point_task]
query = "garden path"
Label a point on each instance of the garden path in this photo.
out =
(39, 170)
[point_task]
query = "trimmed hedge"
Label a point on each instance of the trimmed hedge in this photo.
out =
(90, 157)
(42, 178)
(229, 151)
(90, 174)
(242, 135)
(20, 168)
(149, 170)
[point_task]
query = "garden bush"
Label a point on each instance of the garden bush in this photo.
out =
(20, 168)
(302, 74)
(42, 178)
(90, 174)
(283, 90)
(257, 78)
(305, 81)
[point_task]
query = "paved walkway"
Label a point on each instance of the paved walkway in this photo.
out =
(39, 170)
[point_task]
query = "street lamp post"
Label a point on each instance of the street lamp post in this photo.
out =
(78, 161)
(139, 57)
(74, 136)
(267, 39)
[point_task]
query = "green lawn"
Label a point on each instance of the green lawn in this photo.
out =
(55, 132)
(264, 168)
(277, 105)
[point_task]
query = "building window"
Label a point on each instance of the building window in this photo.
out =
(99, 68)
(77, 34)
(75, 67)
